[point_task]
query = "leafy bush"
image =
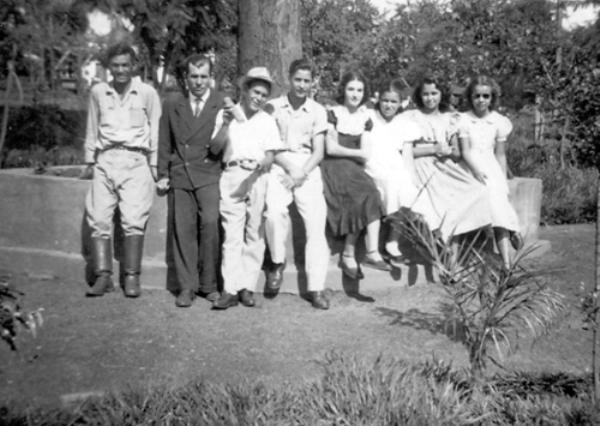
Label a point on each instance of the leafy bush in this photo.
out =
(569, 193)
(43, 133)
(38, 157)
(11, 315)
(351, 391)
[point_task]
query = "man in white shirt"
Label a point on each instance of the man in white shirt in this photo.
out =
(249, 143)
(296, 177)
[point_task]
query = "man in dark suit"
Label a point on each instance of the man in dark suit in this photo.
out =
(190, 170)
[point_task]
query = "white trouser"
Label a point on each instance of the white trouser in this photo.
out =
(121, 178)
(311, 205)
(241, 208)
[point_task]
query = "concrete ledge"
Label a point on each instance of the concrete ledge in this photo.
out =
(43, 232)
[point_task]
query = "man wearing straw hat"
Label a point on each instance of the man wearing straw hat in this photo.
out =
(248, 137)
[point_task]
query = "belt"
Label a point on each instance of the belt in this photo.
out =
(246, 164)
(127, 148)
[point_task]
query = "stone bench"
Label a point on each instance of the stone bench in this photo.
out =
(43, 232)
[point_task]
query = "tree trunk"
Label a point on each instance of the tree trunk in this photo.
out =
(269, 35)
(595, 345)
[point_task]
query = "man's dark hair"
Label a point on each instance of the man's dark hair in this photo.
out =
(301, 64)
(196, 59)
(118, 49)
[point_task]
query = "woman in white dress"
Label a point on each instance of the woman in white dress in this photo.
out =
(483, 133)
(457, 203)
(390, 157)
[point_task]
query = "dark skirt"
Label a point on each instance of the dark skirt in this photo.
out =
(353, 200)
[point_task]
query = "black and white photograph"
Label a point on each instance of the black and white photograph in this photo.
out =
(299, 212)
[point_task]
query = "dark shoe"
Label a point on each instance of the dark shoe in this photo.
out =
(133, 247)
(396, 261)
(102, 265)
(319, 301)
(212, 296)
(350, 271)
(247, 298)
(103, 284)
(516, 240)
(378, 264)
(184, 299)
(275, 277)
(225, 301)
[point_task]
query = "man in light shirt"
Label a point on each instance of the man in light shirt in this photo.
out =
(297, 177)
(190, 172)
(121, 149)
(248, 142)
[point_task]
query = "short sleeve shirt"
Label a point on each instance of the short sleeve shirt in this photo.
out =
(435, 127)
(250, 139)
(484, 132)
(298, 127)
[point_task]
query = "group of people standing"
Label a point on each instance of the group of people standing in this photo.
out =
(240, 165)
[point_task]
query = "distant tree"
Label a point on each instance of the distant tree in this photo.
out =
(336, 34)
(169, 30)
(42, 34)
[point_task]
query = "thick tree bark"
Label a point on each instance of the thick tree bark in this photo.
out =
(596, 324)
(269, 35)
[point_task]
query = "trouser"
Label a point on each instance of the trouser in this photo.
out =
(121, 179)
(195, 237)
(241, 208)
(311, 205)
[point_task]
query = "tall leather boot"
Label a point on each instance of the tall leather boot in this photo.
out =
(102, 264)
(133, 248)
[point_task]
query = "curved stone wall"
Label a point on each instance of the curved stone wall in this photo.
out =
(43, 231)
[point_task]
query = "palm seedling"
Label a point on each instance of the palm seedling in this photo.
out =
(486, 305)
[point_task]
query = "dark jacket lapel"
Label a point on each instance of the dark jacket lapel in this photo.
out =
(183, 110)
(208, 111)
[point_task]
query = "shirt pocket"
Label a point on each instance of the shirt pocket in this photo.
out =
(137, 115)
(108, 113)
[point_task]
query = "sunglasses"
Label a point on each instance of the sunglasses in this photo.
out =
(481, 95)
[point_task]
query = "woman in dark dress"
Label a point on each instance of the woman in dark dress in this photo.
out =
(353, 201)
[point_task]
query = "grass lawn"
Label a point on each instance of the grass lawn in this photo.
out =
(90, 346)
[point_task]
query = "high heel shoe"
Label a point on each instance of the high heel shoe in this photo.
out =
(516, 240)
(351, 271)
(375, 261)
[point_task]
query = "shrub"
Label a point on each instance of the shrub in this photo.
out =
(43, 133)
(12, 317)
(351, 391)
(569, 193)
(37, 156)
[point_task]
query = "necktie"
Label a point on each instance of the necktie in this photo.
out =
(197, 107)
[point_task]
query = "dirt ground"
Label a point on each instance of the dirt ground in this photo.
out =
(109, 343)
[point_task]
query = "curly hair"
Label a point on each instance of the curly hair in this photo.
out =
(483, 80)
(119, 49)
(429, 79)
(398, 85)
(349, 76)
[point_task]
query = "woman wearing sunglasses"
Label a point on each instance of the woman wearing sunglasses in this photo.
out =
(483, 134)
(454, 201)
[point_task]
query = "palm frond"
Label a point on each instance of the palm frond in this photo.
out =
(491, 305)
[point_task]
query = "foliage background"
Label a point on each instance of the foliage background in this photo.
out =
(518, 42)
